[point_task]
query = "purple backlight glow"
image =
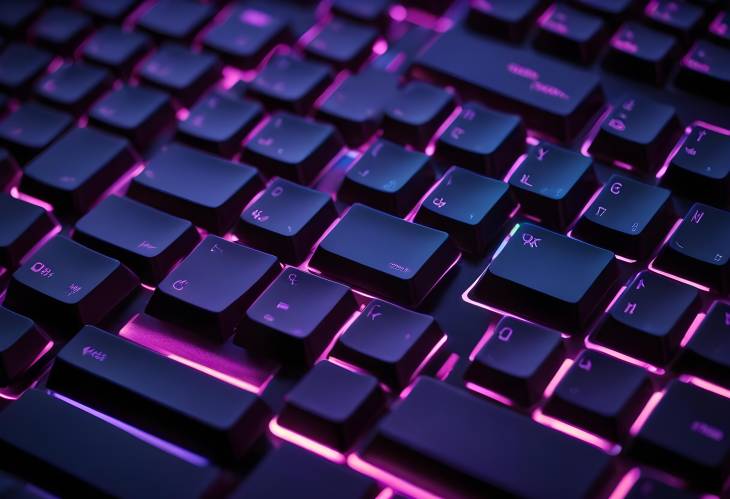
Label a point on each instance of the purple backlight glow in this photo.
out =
(626, 483)
(575, 432)
(490, 394)
(358, 464)
(305, 442)
(705, 385)
(667, 274)
(646, 412)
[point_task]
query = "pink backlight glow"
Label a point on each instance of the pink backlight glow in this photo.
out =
(692, 329)
(431, 147)
(486, 392)
(559, 375)
(622, 356)
(626, 484)
(410, 489)
(575, 432)
(399, 13)
(593, 133)
(325, 353)
(646, 412)
(380, 47)
(14, 192)
(50, 235)
(706, 385)
(482, 341)
(306, 443)
(386, 493)
(447, 367)
(667, 274)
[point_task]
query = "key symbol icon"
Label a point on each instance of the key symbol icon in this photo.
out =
(530, 240)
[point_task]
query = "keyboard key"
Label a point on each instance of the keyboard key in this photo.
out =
(311, 410)
(287, 220)
(720, 27)
(293, 148)
(299, 16)
(176, 19)
(649, 488)
(385, 255)
(640, 132)
(388, 177)
(77, 169)
(389, 342)
(686, 434)
(601, 394)
(61, 29)
(552, 97)
(453, 462)
(678, 17)
(66, 450)
(609, 8)
(371, 12)
(21, 227)
(30, 129)
(73, 87)
(342, 43)
(472, 208)
(628, 217)
(528, 278)
(218, 123)
(66, 285)
(483, 140)
(115, 49)
(700, 248)
(16, 15)
(149, 241)
(506, 19)
(183, 405)
(137, 113)
(109, 10)
(20, 345)
(212, 288)
(208, 191)
(296, 317)
(19, 65)
(570, 34)
(553, 184)
(649, 318)
(708, 352)
(705, 70)
(643, 53)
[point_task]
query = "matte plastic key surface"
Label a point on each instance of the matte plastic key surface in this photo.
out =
(20, 345)
(22, 225)
(176, 19)
(705, 70)
(115, 49)
(32, 128)
(61, 29)
(681, 18)
(507, 19)
(16, 15)
(708, 351)
(640, 52)
(342, 43)
(571, 34)
(109, 10)
(73, 87)
(20, 64)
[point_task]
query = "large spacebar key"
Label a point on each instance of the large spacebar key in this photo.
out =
(553, 97)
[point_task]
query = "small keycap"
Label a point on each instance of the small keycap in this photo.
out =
(183, 405)
(310, 408)
(601, 394)
(553, 184)
(570, 34)
(66, 450)
(149, 241)
(373, 11)
(389, 342)
(208, 191)
(138, 113)
(67, 285)
(115, 49)
(507, 19)
(212, 288)
(708, 352)
(177, 19)
(219, 123)
(73, 87)
(643, 53)
(20, 345)
(342, 43)
(15, 15)
(628, 217)
(20, 64)
(109, 10)
(287, 220)
(77, 169)
(450, 458)
(518, 361)
(21, 227)
(705, 70)
(387, 177)
(680, 18)
(9, 170)
(687, 434)
(30, 129)
(296, 317)
(61, 29)
(700, 248)
(528, 278)
(385, 255)
(293, 148)
(649, 318)
(472, 208)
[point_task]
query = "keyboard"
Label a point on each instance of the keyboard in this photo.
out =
(365, 248)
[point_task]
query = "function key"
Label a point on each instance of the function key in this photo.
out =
(342, 43)
(21, 345)
(507, 19)
(73, 87)
(109, 10)
(21, 227)
(643, 53)
(570, 33)
(16, 15)
(177, 19)
(708, 352)
(705, 70)
(676, 16)
(115, 49)
(32, 128)
(61, 30)
(20, 64)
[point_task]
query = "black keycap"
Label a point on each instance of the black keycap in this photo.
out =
(700, 248)
(30, 129)
(601, 394)
(61, 29)
(388, 177)
(21, 227)
(415, 113)
(73, 87)
(138, 113)
(708, 352)
(287, 220)
(296, 317)
(291, 471)
(356, 107)
(385, 255)
(177, 19)
(686, 434)
(681, 18)
(518, 361)
(336, 421)
(181, 72)
(212, 288)
(183, 405)
(219, 123)
(649, 488)
(640, 132)
(373, 11)
(628, 217)
(389, 342)
(472, 208)
(16, 15)
(553, 184)
(21, 344)
(246, 36)
(292, 147)
(8, 169)
(700, 170)
(643, 53)
(66, 450)
(649, 318)
(77, 169)
(208, 191)
(109, 10)
(507, 19)
(290, 83)
(68, 285)
(609, 8)
(705, 70)
(529, 277)
(552, 97)
(115, 49)
(483, 140)
(570, 34)
(19, 65)
(342, 43)
(447, 456)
